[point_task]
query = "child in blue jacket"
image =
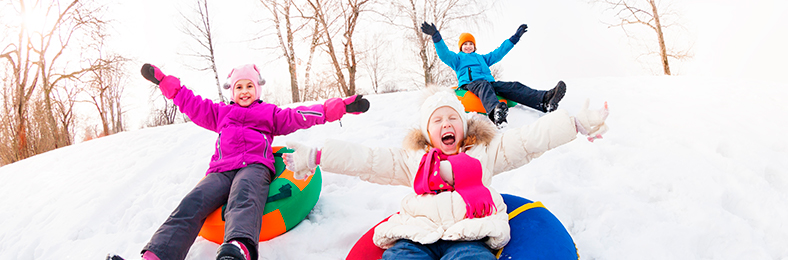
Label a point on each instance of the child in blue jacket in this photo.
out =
(473, 74)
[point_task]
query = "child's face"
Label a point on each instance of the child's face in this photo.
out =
(445, 130)
(468, 47)
(244, 92)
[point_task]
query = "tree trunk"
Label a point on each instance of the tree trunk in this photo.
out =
(291, 59)
(57, 138)
(663, 53)
(218, 83)
(329, 43)
(312, 48)
(21, 133)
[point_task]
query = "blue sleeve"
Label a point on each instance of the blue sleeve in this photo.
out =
(447, 56)
(496, 55)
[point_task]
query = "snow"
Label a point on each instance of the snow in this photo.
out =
(692, 168)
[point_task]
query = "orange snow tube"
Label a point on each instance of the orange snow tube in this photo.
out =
(289, 202)
(472, 103)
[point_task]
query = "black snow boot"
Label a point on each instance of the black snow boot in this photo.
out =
(498, 115)
(114, 257)
(552, 97)
(228, 251)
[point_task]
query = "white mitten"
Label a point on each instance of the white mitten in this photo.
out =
(591, 123)
(303, 161)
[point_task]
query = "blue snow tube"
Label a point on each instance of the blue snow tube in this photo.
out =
(536, 233)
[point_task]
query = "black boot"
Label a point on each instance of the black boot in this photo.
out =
(498, 115)
(114, 257)
(552, 97)
(229, 251)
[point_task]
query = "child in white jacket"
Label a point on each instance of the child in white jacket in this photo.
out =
(449, 162)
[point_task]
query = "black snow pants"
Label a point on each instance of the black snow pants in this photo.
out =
(244, 190)
(514, 91)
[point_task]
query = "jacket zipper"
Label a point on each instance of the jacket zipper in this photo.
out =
(469, 75)
(265, 144)
(311, 113)
(219, 146)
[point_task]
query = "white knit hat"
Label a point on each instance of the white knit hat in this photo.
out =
(441, 98)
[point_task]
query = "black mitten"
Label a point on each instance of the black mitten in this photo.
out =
(520, 31)
(431, 30)
(149, 72)
(358, 105)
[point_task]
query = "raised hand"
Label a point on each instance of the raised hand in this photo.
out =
(520, 31)
(169, 85)
(335, 108)
(430, 29)
(591, 123)
(303, 161)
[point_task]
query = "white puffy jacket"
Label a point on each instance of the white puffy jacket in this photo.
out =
(429, 217)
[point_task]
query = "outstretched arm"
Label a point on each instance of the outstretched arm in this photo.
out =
(448, 57)
(376, 165)
(518, 147)
(507, 45)
(202, 112)
(289, 120)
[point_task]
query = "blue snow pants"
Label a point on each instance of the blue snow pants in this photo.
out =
(514, 91)
(405, 249)
(244, 190)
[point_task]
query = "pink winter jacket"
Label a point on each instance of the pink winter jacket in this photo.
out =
(428, 218)
(245, 133)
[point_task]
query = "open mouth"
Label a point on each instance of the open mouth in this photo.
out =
(448, 138)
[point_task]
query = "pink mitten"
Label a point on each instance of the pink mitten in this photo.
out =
(591, 123)
(169, 85)
(335, 108)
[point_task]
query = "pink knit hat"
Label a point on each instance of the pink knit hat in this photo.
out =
(248, 71)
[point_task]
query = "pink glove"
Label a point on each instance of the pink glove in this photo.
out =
(303, 161)
(592, 123)
(335, 108)
(169, 85)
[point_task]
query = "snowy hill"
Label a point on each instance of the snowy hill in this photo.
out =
(692, 168)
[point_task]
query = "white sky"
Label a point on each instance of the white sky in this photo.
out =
(566, 39)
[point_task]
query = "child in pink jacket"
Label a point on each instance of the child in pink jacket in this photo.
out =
(241, 168)
(453, 211)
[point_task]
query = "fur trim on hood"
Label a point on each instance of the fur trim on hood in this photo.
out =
(480, 131)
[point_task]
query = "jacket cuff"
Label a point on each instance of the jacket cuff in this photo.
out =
(436, 37)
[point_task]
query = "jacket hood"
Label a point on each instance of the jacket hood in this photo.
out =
(480, 131)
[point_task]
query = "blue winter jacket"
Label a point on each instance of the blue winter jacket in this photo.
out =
(472, 66)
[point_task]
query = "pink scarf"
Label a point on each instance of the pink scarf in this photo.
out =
(467, 181)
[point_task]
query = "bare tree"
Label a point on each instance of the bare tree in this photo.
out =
(647, 13)
(165, 115)
(375, 63)
(105, 90)
(408, 15)
(40, 59)
(9, 136)
(201, 31)
(24, 74)
(313, 44)
(65, 99)
(81, 23)
(334, 18)
(324, 87)
(280, 13)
